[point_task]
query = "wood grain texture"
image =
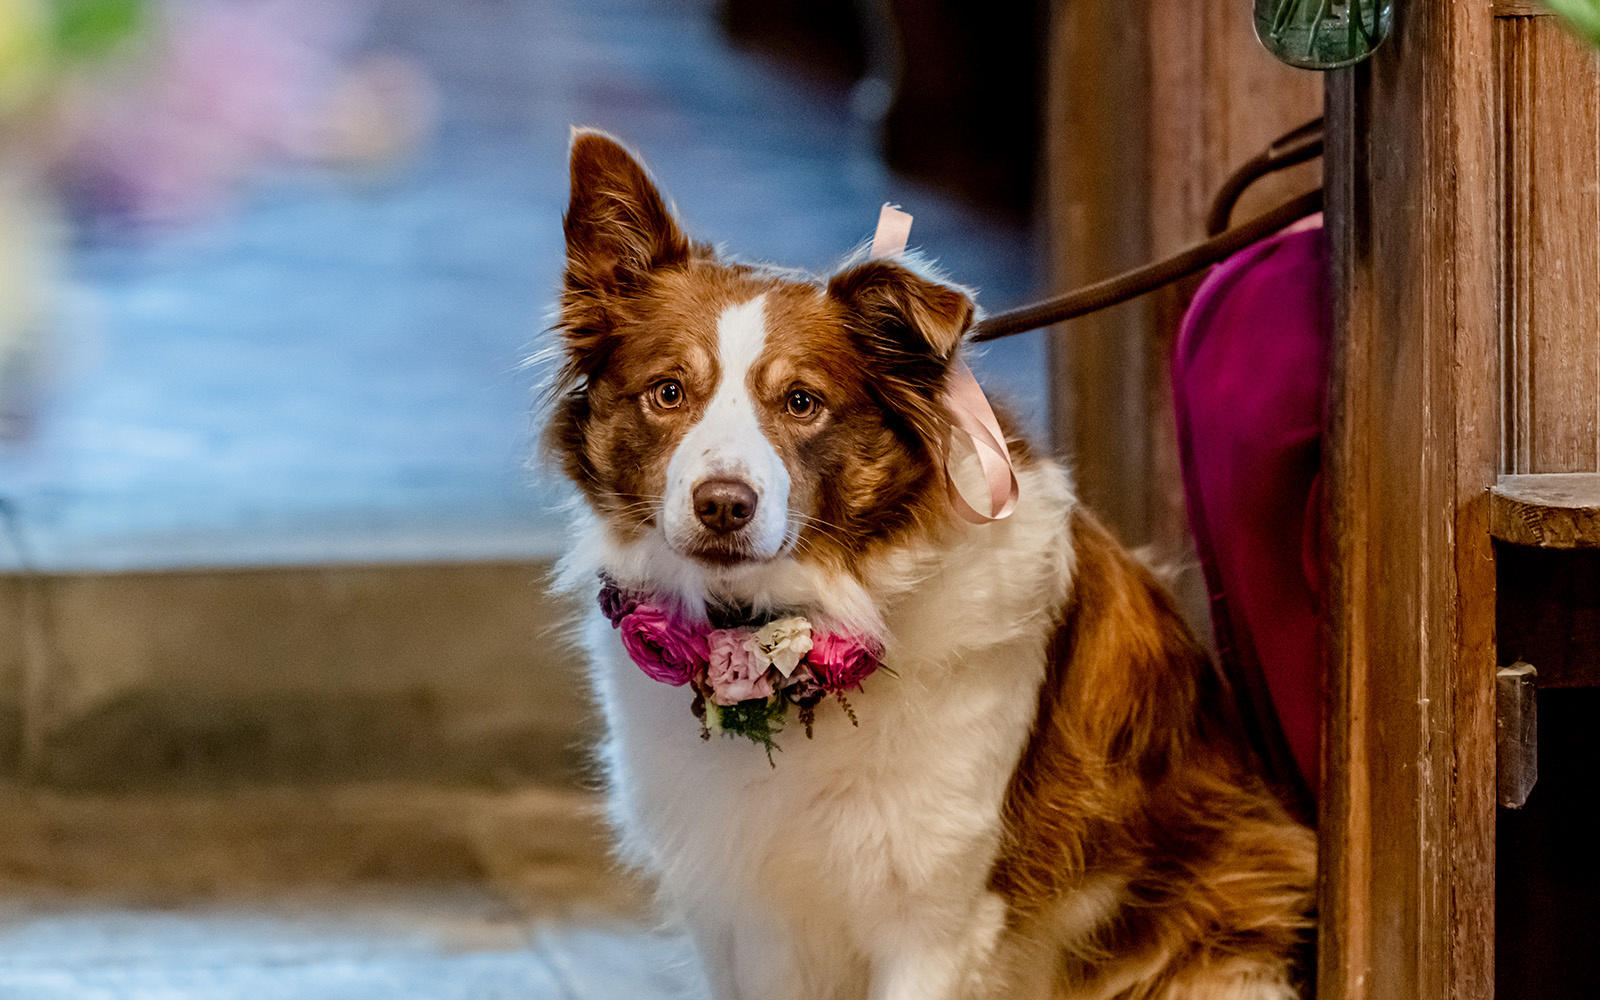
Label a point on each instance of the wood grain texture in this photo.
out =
(1097, 200)
(1549, 94)
(1344, 863)
(1473, 365)
(1552, 511)
(1408, 816)
(1217, 98)
(1521, 8)
(1151, 105)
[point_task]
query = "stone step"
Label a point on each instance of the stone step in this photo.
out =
(545, 849)
(447, 673)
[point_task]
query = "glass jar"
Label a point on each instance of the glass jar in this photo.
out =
(1323, 34)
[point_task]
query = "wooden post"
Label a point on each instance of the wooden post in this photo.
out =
(1098, 199)
(1409, 767)
(1151, 104)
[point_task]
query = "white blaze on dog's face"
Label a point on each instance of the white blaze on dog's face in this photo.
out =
(725, 479)
(745, 415)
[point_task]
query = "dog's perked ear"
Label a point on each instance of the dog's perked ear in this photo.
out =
(618, 226)
(619, 231)
(909, 328)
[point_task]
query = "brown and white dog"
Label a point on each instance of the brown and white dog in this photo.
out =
(1042, 801)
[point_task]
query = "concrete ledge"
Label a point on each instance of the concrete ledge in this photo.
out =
(207, 732)
(452, 673)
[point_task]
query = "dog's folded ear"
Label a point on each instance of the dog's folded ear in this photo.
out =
(903, 313)
(618, 227)
(908, 327)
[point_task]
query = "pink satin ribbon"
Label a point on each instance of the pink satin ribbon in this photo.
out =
(969, 408)
(894, 231)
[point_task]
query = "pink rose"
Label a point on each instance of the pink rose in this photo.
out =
(664, 648)
(841, 661)
(736, 672)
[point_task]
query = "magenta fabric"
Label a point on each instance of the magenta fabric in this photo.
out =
(1249, 377)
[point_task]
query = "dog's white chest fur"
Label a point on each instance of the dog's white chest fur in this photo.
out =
(856, 865)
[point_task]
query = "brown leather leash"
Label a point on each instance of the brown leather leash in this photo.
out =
(1297, 146)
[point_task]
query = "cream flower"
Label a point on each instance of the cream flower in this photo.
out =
(782, 643)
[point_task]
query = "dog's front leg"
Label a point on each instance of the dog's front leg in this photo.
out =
(745, 961)
(925, 959)
(918, 974)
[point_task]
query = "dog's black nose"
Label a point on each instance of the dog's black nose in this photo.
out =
(724, 505)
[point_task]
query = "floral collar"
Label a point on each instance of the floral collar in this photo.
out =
(744, 676)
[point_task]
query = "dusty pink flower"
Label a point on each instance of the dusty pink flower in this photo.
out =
(616, 603)
(841, 661)
(664, 648)
(736, 672)
(802, 686)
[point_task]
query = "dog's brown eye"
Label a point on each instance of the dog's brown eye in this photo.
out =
(801, 405)
(667, 395)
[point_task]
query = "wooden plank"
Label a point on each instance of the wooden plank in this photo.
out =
(1344, 869)
(1210, 81)
(1472, 366)
(1408, 810)
(1521, 8)
(1553, 510)
(1217, 98)
(1151, 104)
(1549, 96)
(1514, 161)
(1097, 141)
(1561, 105)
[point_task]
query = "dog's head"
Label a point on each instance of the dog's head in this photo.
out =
(739, 415)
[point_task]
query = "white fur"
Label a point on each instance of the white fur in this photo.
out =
(858, 866)
(727, 442)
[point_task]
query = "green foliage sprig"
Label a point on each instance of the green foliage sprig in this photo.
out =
(758, 720)
(42, 40)
(1582, 15)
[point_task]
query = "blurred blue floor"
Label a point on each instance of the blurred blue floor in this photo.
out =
(333, 373)
(455, 944)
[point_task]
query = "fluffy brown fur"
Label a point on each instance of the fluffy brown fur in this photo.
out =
(1133, 778)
